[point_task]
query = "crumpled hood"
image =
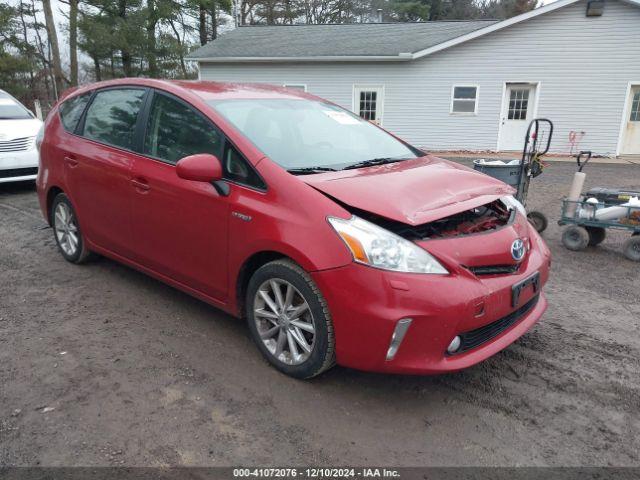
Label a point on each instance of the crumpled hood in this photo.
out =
(413, 191)
(12, 129)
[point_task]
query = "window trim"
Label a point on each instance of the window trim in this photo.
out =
(81, 123)
(632, 100)
(355, 102)
(141, 134)
(295, 85)
(476, 100)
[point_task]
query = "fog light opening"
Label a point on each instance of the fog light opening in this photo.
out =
(454, 345)
(398, 335)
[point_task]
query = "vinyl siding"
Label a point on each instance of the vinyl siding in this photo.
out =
(583, 65)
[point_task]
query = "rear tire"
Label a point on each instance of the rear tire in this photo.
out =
(66, 231)
(596, 235)
(538, 220)
(289, 320)
(631, 248)
(575, 238)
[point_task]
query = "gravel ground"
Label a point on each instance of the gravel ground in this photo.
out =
(138, 373)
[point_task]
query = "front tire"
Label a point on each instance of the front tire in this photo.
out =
(289, 320)
(66, 230)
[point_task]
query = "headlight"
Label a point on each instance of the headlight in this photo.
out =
(512, 203)
(377, 247)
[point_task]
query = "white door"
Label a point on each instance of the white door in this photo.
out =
(517, 111)
(631, 132)
(368, 102)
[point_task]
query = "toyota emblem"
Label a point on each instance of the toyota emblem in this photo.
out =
(517, 250)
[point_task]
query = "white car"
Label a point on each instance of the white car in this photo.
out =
(18, 130)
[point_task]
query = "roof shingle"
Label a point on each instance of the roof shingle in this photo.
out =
(354, 39)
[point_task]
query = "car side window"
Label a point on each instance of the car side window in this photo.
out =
(111, 118)
(237, 169)
(71, 111)
(175, 131)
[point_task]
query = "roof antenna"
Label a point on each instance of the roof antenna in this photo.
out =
(379, 15)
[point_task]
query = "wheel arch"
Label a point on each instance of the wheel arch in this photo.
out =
(53, 191)
(246, 271)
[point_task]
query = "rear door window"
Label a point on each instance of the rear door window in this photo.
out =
(111, 118)
(71, 111)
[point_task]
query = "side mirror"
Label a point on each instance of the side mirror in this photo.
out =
(202, 167)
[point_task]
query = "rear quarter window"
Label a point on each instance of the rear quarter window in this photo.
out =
(71, 111)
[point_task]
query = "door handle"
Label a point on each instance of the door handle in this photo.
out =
(140, 184)
(72, 162)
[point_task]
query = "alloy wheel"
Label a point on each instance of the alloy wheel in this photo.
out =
(66, 229)
(284, 321)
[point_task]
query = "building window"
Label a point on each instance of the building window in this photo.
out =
(635, 108)
(297, 86)
(368, 103)
(464, 99)
(518, 104)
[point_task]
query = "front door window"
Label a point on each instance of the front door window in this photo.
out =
(175, 131)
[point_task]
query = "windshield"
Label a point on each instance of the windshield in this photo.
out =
(301, 134)
(10, 109)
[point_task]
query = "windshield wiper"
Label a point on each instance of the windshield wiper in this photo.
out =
(310, 170)
(374, 161)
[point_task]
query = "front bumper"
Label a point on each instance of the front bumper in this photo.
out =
(19, 166)
(366, 304)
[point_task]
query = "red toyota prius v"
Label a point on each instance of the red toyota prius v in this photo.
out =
(338, 242)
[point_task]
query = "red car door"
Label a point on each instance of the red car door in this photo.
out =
(98, 167)
(179, 226)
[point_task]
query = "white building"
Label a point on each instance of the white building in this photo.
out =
(470, 85)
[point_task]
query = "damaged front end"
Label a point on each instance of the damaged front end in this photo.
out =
(484, 218)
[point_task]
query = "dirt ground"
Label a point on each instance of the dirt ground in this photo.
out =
(138, 373)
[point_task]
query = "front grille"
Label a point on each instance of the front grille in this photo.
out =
(477, 337)
(16, 145)
(494, 269)
(18, 172)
